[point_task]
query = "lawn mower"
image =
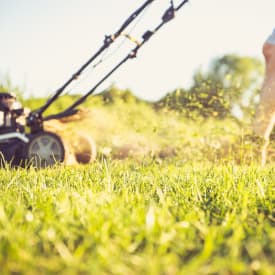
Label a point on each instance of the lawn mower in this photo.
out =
(29, 143)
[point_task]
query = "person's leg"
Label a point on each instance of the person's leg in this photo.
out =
(265, 114)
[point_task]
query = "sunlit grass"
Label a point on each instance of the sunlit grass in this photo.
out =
(166, 195)
(146, 218)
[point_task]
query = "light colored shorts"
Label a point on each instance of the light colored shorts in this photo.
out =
(271, 38)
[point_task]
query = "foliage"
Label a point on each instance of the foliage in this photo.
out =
(229, 87)
(109, 96)
(114, 94)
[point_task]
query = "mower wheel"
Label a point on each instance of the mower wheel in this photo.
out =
(45, 149)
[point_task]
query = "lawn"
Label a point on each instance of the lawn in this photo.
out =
(123, 217)
(166, 195)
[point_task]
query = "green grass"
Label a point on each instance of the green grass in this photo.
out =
(146, 217)
(172, 196)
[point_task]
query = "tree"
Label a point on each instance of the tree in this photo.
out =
(114, 94)
(230, 86)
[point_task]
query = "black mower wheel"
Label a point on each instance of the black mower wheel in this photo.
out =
(44, 149)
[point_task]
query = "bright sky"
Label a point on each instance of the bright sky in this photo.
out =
(43, 42)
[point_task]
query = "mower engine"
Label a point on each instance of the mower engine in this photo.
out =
(11, 132)
(10, 110)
